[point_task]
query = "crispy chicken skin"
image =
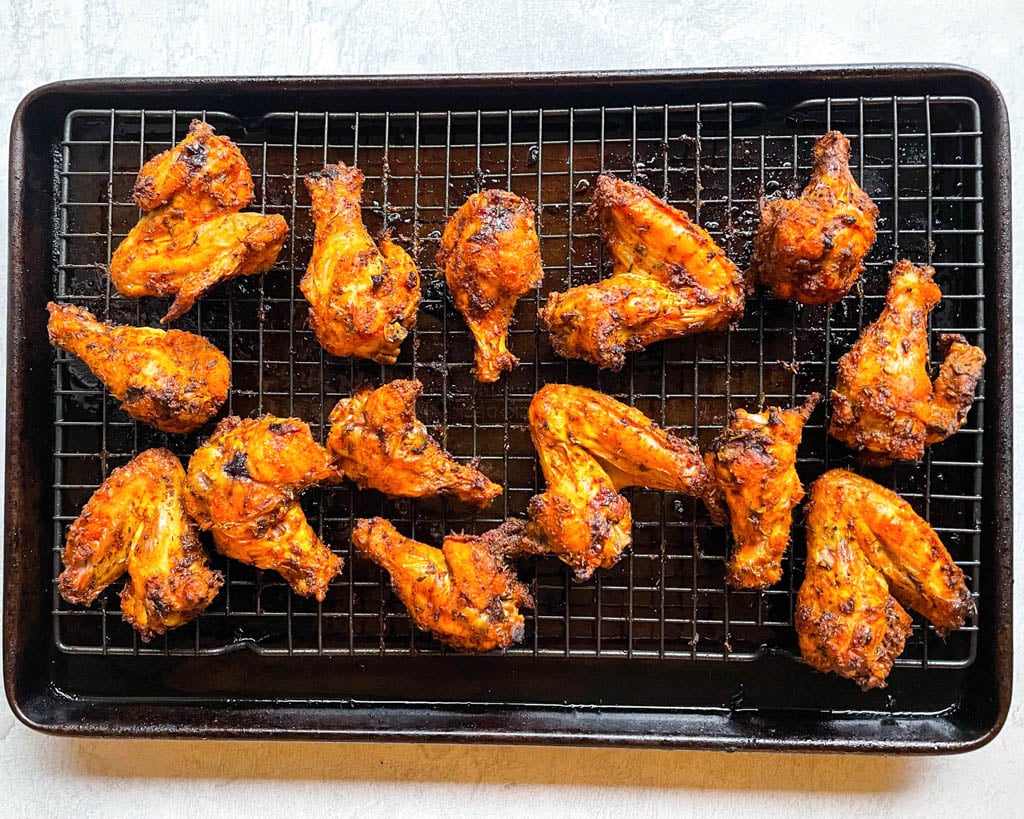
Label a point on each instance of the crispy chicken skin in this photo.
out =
(463, 593)
(884, 404)
(846, 619)
(192, 235)
(590, 447)
(669, 279)
(866, 549)
(363, 299)
(171, 380)
(754, 463)
(902, 546)
(136, 522)
(377, 441)
(490, 256)
(244, 484)
(812, 249)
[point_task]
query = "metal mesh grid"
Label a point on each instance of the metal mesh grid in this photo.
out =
(918, 157)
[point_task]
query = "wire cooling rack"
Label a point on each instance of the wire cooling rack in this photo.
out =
(918, 157)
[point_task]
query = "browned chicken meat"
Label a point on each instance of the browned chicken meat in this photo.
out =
(192, 235)
(866, 546)
(136, 522)
(885, 405)
(171, 380)
(754, 462)
(902, 546)
(377, 441)
(464, 593)
(846, 619)
(812, 249)
(669, 279)
(490, 256)
(590, 447)
(244, 485)
(363, 299)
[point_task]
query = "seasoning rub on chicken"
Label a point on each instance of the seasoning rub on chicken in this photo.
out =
(490, 256)
(171, 380)
(885, 405)
(669, 279)
(754, 463)
(363, 299)
(867, 549)
(192, 235)
(377, 441)
(464, 593)
(590, 447)
(136, 523)
(812, 249)
(244, 486)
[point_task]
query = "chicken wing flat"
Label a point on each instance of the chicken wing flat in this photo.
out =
(136, 522)
(590, 447)
(172, 380)
(846, 619)
(363, 299)
(754, 463)
(669, 279)
(192, 235)
(490, 256)
(884, 404)
(901, 545)
(463, 593)
(812, 249)
(377, 441)
(244, 484)
(866, 550)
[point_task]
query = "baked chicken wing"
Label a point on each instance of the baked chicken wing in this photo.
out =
(463, 593)
(171, 380)
(754, 463)
(244, 484)
(192, 235)
(590, 447)
(377, 441)
(846, 619)
(885, 405)
(136, 522)
(902, 546)
(812, 249)
(866, 526)
(490, 256)
(669, 279)
(363, 299)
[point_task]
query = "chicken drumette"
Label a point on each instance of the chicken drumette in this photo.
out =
(669, 279)
(377, 441)
(812, 249)
(464, 593)
(884, 404)
(192, 234)
(754, 462)
(363, 299)
(591, 446)
(136, 522)
(171, 380)
(490, 256)
(244, 484)
(867, 548)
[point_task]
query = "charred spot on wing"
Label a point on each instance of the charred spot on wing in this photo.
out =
(195, 156)
(238, 466)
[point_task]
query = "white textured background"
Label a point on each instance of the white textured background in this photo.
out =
(48, 40)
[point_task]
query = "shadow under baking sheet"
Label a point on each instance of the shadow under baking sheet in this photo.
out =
(485, 765)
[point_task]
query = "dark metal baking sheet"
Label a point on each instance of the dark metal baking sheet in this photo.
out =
(654, 652)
